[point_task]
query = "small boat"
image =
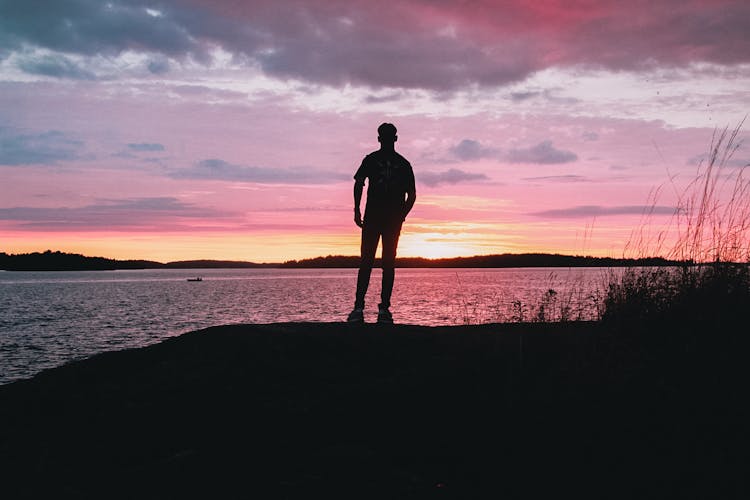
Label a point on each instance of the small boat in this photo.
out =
(195, 279)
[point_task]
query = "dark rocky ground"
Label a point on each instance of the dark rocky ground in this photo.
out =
(331, 410)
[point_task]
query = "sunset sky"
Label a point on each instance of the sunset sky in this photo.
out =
(228, 129)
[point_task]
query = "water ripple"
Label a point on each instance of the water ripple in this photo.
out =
(48, 318)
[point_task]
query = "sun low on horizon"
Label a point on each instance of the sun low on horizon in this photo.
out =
(188, 129)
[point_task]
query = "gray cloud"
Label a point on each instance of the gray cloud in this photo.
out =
(124, 154)
(733, 162)
(599, 211)
(158, 66)
(92, 27)
(57, 66)
(450, 176)
(47, 148)
(139, 213)
(339, 42)
(523, 96)
(548, 95)
(469, 149)
(590, 136)
(351, 41)
(389, 97)
(215, 169)
(206, 92)
(544, 153)
(146, 146)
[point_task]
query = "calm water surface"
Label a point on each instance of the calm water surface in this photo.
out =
(49, 318)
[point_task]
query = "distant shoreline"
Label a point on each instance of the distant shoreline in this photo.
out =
(60, 261)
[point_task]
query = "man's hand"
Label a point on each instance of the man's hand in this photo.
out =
(359, 184)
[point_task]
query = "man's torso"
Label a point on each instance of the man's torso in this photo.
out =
(390, 177)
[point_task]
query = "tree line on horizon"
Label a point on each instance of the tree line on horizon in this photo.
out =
(61, 261)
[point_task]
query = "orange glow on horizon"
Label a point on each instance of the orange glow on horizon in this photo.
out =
(436, 246)
(420, 238)
(269, 248)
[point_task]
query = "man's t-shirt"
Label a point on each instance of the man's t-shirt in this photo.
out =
(390, 178)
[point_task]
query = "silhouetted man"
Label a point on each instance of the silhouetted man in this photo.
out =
(390, 196)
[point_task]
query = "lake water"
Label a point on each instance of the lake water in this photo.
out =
(49, 318)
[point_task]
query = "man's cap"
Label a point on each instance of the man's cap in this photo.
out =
(387, 130)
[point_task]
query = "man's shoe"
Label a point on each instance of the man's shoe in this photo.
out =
(384, 315)
(356, 316)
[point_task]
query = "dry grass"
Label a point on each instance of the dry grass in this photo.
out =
(709, 232)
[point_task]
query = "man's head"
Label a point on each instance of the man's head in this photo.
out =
(387, 134)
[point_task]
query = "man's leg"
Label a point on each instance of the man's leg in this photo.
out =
(370, 236)
(390, 243)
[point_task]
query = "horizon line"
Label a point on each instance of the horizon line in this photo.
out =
(341, 256)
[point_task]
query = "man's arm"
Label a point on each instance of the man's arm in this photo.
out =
(411, 193)
(359, 184)
(411, 197)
